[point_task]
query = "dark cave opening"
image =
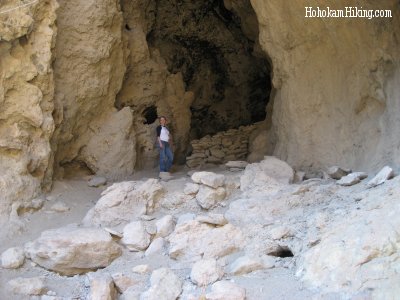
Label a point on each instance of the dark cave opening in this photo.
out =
(219, 62)
(150, 115)
(282, 251)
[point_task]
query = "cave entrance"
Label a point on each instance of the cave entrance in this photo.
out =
(214, 44)
(200, 64)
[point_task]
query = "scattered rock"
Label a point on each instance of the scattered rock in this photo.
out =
(209, 197)
(135, 237)
(13, 258)
(113, 232)
(244, 265)
(125, 201)
(165, 176)
(209, 178)
(214, 219)
(97, 181)
(29, 206)
(174, 200)
(205, 272)
(269, 172)
(123, 282)
(185, 218)
(156, 247)
(336, 172)
(191, 188)
(385, 174)
(71, 250)
(226, 290)
(141, 269)
(165, 226)
(280, 232)
(147, 218)
(299, 176)
(268, 261)
(59, 207)
(193, 240)
(238, 164)
(27, 286)
(352, 178)
(151, 228)
(102, 287)
(164, 285)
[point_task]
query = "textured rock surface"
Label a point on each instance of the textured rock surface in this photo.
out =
(226, 290)
(135, 236)
(27, 286)
(205, 272)
(269, 172)
(13, 258)
(164, 285)
(102, 287)
(209, 178)
(26, 101)
(122, 202)
(192, 240)
(385, 174)
(89, 69)
(208, 197)
(356, 118)
(70, 250)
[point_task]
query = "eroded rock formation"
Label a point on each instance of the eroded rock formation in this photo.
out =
(336, 84)
(27, 38)
(118, 65)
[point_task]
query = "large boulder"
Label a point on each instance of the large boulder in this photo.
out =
(361, 250)
(102, 287)
(125, 201)
(165, 285)
(385, 174)
(193, 240)
(210, 179)
(135, 236)
(206, 271)
(208, 197)
(72, 250)
(269, 172)
(224, 290)
(13, 258)
(33, 286)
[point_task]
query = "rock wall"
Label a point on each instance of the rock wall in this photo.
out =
(89, 71)
(27, 37)
(148, 83)
(222, 147)
(336, 97)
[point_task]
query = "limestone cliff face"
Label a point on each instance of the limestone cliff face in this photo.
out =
(27, 39)
(336, 83)
(89, 70)
(119, 64)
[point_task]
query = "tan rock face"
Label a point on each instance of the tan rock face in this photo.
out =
(89, 67)
(335, 82)
(71, 250)
(26, 100)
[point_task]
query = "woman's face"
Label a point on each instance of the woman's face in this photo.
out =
(163, 121)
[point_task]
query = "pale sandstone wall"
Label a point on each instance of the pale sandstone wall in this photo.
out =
(90, 66)
(149, 83)
(27, 37)
(337, 97)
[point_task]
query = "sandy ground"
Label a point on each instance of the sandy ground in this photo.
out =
(277, 283)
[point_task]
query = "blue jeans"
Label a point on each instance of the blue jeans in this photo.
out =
(166, 157)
